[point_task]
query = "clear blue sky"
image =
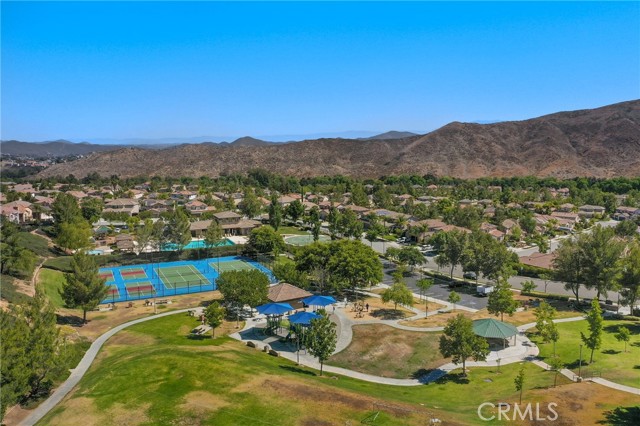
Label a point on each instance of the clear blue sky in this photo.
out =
(83, 70)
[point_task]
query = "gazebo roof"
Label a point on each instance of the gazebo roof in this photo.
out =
(493, 329)
(284, 292)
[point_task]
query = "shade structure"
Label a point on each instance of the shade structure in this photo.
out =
(318, 300)
(303, 318)
(274, 308)
(493, 329)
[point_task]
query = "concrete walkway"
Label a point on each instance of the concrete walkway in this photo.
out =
(77, 373)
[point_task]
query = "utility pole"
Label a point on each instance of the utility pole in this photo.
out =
(580, 363)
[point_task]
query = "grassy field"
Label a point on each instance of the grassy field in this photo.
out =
(155, 374)
(35, 243)
(9, 290)
(51, 281)
(389, 352)
(610, 360)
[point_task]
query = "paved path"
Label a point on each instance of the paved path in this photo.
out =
(81, 369)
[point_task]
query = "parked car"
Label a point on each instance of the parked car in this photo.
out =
(470, 275)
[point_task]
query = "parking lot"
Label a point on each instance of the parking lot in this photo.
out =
(440, 289)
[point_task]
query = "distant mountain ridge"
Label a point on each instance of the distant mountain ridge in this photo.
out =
(600, 142)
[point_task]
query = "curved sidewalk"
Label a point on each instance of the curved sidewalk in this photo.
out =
(76, 374)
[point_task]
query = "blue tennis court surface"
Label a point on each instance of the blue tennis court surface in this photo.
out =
(135, 282)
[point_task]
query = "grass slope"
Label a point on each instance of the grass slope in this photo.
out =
(610, 361)
(154, 374)
(51, 282)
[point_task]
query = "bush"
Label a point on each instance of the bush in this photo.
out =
(540, 295)
(532, 271)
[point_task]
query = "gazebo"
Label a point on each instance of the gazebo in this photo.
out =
(490, 328)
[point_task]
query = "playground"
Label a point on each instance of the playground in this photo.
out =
(127, 283)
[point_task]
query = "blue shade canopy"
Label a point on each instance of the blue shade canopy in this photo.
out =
(303, 318)
(274, 308)
(319, 300)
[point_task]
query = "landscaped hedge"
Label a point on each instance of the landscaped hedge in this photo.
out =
(532, 271)
(561, 297)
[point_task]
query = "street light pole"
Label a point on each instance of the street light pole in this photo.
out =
(580, 363)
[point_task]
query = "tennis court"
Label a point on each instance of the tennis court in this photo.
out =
(140, 289)
(180, 276)
(133, 273)
(107, 276)
(232, 265)
(164, 279)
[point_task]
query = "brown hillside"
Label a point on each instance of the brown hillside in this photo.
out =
(602, 142)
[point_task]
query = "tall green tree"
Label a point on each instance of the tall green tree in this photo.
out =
(241, 288)
(398, 293)
(266, 240)
(411, 256)
(295, 210)
(568, 266)
(353, 265)
(315, 222)
(593, 340)
(275, 212)
(501, 301)
(629, 277)
(452, 250)
(460, 342)
(214, 314)
(74, 235)
(424, 284)
(213, 236)
(603, 251)
(83, 288)
(178, 229)
(65, 209)
(321, 338)
(14, 377)
(498, 262)
(313, 260)
(478, 243)
(144, 235)
(250, 205)
(350, 226)
(335, 220)
(623, 335)
(92, 209)
(453, 299)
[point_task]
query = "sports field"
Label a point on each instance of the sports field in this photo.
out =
(171, 278)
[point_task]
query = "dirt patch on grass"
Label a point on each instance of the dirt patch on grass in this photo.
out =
(580, 403)
(202, 403)
(386, 351)
(127, 338)
(82, 411)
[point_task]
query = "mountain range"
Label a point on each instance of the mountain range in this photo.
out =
(600, 142)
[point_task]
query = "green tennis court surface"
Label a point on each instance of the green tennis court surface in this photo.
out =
(181, 276)
(234, 265)
(133, 273)
(108, 276)
(140, 289)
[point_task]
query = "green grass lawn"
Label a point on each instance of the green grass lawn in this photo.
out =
(51, 281)
(35, 243)
(62, 263)
(610, 360)
(153, 373)
(291, 230)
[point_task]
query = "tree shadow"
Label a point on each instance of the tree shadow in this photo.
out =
(622, 416)
(421, 373)
(458, 378)
(72, 320)
(388, 314)
(634, 328)
(637, 344)
(192, 336)
(298, 370)
(611, 352)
